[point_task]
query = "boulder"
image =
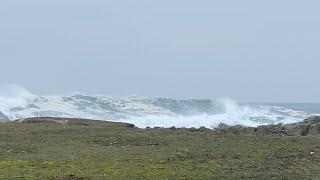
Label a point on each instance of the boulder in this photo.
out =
(222, 126)
(308, 127)
(270, 130)
(223, 129)
(242, 130)
(314, 130)
(130, 125)
(311, 120)
(202, 129)
(247, 131)
(296, 129)
(234, 130)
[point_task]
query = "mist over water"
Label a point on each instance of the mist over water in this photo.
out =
(17, 102)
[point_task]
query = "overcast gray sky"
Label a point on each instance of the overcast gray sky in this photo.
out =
(249, 50)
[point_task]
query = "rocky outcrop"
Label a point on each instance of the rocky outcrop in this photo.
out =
(314, 130)
(296, 129)
(308, 127)
(235, 130)
(270, 130)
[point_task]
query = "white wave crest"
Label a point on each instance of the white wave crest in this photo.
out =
(234, 115)
(17, 102)
(12, 96)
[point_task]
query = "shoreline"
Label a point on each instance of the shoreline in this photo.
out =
(308, 127)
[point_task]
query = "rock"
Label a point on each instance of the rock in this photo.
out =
(173, 128)
(310, 127)
(296, 129)
(314, 130)
(193, 129)
(234, 130)
(241, 130)
(269, 130)
(223, 126)
(312, 120)
(247, 131)
(130, 125)
(222, 129)
(202, 128)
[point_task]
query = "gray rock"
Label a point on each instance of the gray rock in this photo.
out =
(310, 127)
(223, 126)
(247, 131)
(202, 128)
(237, 130)
(130, 125)
(222, 129)
(314, 130)
(193, 129)
(312, 120)
(234, 130)
(270, 130)
(307, 127)
(296, 129)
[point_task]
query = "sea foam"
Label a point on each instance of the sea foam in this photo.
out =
(17, 102)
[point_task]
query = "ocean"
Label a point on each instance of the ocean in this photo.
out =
(153, 112)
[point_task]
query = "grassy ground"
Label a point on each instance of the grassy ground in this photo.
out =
(97, 150)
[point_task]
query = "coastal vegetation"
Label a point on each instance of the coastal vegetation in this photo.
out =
(49, 148)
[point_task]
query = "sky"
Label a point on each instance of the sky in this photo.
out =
(248, 50)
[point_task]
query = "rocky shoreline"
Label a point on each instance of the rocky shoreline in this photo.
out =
(308, 127)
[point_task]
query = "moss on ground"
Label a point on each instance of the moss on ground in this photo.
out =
(96, 150)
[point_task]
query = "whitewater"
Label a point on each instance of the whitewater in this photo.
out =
(19, 103)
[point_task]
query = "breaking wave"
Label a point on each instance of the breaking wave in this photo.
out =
(17, 103)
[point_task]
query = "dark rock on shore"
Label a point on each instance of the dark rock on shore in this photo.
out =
(131, 125)
(296, 129)
(308, 127)
(234, 130)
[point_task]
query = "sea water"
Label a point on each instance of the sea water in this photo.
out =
(143, 112)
